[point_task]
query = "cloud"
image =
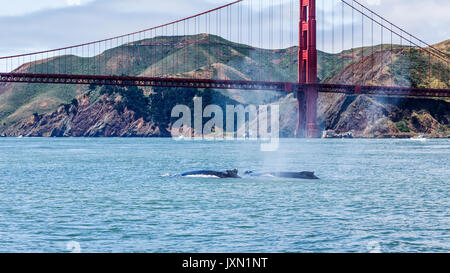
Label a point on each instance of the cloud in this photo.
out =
(79, 21)
(28, 7)
(373, 2)
(73, 2)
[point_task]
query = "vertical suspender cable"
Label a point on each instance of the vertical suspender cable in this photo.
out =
(391, 66)
(353, 43)
(323, 41)
(94, 68)
(382, 38)
(291, 42)
(271, 26)
(362, 38)
(342, 35)
(333, 69)
(410, 60)
(250, 25)
(281, 24)
(260, 40)
(372, 49)
(429, 69)
(173, 49)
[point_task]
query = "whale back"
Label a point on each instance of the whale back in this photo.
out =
(225, 174)
(296, 175)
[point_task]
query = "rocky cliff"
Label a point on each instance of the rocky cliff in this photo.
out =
(373, 117)
(82, 118)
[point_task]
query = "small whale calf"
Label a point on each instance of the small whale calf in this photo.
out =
(234, 174)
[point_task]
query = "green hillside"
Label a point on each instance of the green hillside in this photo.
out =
(162, 56)
(209, 56)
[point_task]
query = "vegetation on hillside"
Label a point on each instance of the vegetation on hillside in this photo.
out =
(209, 56)
(415, 68)
(157, 106)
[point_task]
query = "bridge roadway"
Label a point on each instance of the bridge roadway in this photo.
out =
(222, 84)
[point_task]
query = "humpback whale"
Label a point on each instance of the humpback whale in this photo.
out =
(296, 175)
(234, 174)
(216, 174)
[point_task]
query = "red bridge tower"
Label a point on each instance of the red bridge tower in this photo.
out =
(307, 72)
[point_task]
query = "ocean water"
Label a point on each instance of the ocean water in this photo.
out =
(112, 195)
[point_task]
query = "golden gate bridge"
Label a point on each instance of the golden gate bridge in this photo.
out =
(363, 37)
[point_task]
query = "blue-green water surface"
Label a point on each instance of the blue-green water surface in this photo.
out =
(111, 195)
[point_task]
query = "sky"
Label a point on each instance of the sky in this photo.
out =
(29, 25)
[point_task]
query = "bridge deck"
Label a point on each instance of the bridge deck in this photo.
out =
(222, 84)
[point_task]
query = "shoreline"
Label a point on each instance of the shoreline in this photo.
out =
(211, 139)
